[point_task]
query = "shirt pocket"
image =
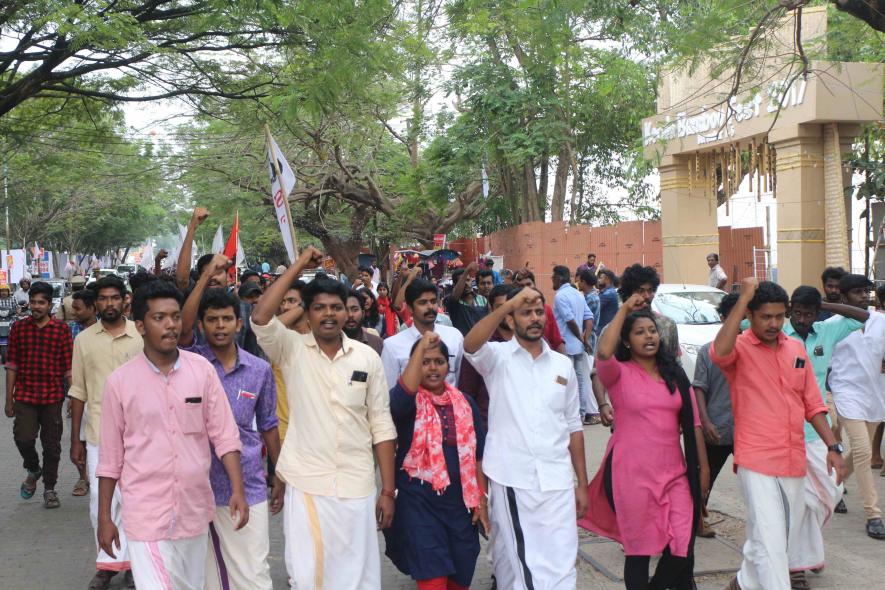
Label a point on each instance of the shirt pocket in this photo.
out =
(192, 421)
(353, 394)
(556, 400)
(796, 379)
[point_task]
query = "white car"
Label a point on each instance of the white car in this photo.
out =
(693, 308)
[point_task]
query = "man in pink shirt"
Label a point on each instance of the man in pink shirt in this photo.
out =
(773, 393)
(160, 412)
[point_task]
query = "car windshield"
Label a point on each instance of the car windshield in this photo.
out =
(687, 307)
(58, 290)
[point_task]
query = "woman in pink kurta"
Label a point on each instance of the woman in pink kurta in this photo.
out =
(646, 494)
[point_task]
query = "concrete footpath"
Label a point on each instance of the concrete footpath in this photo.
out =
(54, 549)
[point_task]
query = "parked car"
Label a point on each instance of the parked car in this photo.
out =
(61, 288)
(124, 270)
(102, 272)
(693, 308)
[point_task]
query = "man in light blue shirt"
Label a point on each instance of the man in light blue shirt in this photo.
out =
(820, 339)
(575, 321)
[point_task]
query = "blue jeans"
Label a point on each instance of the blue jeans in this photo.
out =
(585, 391)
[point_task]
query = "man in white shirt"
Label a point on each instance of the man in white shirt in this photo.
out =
(421, 298)
(857, 380)
(718, 278)
(534, 447)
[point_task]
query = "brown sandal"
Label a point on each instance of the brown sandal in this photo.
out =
(81, 488)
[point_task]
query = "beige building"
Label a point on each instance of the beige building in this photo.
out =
(787, 136)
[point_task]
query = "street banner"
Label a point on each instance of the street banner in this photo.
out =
(439, 241)
(282, 181)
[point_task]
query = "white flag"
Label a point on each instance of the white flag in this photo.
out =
(218, 241)
(280, 189)
(485, 183)
(147, 254)
(172, 260)
(241, 255)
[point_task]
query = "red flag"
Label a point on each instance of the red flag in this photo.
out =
(230, 249)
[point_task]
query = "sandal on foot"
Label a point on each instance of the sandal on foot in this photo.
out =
(81, 488)
(877, 465)
(29, 486)
(50, 499)
(799, 581)
(101, 580)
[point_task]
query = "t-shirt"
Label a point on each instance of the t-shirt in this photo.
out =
(717, 275)
(464, 316)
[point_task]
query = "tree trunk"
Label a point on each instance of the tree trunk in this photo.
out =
(545, 170)
(530, 193)
(345, 252)
(557, 203)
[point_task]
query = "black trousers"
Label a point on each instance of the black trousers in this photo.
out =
(44, 420)
(717, 455)
(671, 573)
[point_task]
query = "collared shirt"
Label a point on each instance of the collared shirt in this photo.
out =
(569, 305)
(857, 379)
(252, 395)
(773, 394)
(340, 408)
(819, 345)
(397, 350)
(608, 307)
(371, 340)
(41, 359)
(465, 316)
(97, 354)
(709, 377)
(533, 410)
(155, 435)
(717, 275)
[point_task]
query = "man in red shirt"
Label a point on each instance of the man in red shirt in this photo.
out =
(38, 364)
(773, 393)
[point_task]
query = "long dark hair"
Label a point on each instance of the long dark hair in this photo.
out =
(372, 315)
(667, 365)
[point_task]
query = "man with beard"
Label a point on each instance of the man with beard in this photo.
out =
(98, 351)
(526, 278)
(83, 315)
(353, 327)
(857, 380)
(38, 363)
(236, 558)
(422, 303)
(534, 448)
(466, 306)
(340, 415)
(830, 280)
(163, 415)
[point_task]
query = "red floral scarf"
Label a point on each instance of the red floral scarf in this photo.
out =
(425, 460)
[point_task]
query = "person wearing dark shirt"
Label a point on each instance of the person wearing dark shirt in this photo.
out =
(830, 280)
(353, 326)
(466, 306)
(608, 299)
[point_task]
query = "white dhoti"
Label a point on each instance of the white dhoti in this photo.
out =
(535, 538)
(821, 496)
(331, 542)
(178, 564)
(238, 558)
(775, 508)
(105, 561)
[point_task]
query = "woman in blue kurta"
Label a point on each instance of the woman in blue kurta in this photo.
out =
(440, 486)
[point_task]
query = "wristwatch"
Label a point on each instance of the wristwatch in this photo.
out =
(836, 448)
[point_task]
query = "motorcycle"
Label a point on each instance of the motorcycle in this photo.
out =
(7, 317)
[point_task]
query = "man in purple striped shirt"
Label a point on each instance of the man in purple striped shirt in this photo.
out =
(236, 558)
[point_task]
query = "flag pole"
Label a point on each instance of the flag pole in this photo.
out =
(276, 169)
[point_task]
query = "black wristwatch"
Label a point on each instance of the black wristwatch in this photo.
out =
(836, 448)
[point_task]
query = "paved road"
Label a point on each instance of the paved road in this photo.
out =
(54, 549)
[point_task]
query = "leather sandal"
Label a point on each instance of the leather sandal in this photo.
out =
(799, 581)
(101, 580)
(50, 499)
(733, 585)
(29, 485)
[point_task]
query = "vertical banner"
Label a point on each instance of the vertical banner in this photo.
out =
(282, 181)
(439, 241)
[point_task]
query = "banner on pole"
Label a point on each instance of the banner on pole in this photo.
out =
(280, 187)
(439, 241)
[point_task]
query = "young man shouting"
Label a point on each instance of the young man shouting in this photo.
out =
(161, 411)
(340, 413)
(773, 393)
(236, 558)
